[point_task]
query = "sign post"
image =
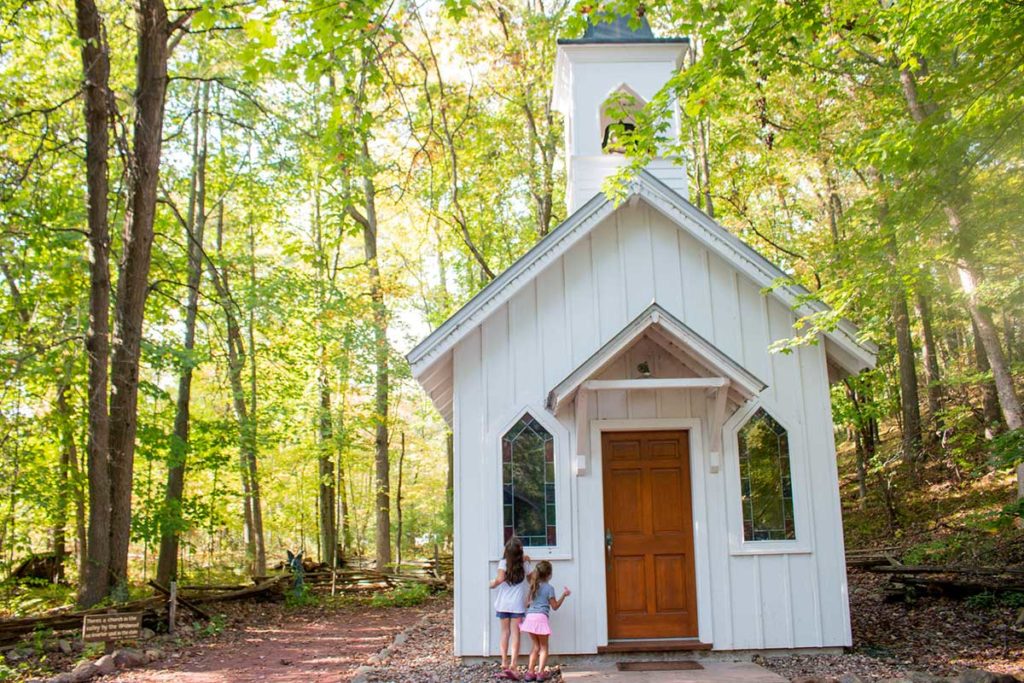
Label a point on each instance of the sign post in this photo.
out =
(111, 627)
(172, 607)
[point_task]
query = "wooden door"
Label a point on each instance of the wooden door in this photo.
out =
(652, 591)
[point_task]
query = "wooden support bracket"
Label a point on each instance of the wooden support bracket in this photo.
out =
(717, 420)
(582, 405)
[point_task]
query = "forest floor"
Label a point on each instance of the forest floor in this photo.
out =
(273, 642)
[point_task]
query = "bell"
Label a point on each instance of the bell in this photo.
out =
(610, 143)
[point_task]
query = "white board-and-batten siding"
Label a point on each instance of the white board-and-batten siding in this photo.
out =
(749, 596)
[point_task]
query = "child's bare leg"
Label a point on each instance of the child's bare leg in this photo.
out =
(543, 654)
(506, 625)
(514, 650)
(534, 651)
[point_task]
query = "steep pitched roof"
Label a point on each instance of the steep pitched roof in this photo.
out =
(429, 358)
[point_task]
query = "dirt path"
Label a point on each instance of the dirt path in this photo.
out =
(273, 643)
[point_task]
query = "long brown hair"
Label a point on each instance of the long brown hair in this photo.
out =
(515, 569)
(540, 575)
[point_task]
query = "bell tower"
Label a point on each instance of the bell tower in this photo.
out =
(600, 80)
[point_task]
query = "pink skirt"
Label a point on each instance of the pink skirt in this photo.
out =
(537, 624)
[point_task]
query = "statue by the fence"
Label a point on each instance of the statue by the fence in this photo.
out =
(298, 571)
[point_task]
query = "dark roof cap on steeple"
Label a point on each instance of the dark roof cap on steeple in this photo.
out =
(618, 31)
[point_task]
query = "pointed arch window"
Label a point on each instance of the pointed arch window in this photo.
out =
(618, 119)
(765, 480)
(528, 483)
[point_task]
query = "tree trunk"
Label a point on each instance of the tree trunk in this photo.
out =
(861, 436)
(929, 359)
(380, 418)
(251, 508)
(989, 399)
(910, 407)
(449, 489)
(172, 521)
(328, 527)
(78, 466)
(254, 480)
(1010, 405)
(985, 331)
(133, 281)
(95, 576)
(236, 362)
(368, 222)
(68, 456)
(344, 521)
(398, 504)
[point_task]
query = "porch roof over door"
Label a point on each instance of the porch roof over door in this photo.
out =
(714, 368)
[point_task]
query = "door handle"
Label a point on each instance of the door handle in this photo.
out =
(608, 539)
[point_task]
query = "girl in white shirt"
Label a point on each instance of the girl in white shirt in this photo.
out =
(510, 602)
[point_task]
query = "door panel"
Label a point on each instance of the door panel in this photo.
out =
(631, 569)
(649, 523)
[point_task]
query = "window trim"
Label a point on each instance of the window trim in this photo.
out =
(799, 476)
(562, 550)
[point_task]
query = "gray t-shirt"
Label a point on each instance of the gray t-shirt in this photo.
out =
(540, 603)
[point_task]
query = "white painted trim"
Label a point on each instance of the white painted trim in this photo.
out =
(654, 383)
(799, 473)
(563, 549)
(701, 559)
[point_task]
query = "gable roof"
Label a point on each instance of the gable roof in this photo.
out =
(845, 350)
(667, 331)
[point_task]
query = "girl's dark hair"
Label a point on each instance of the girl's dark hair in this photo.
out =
(540, 575)
(515, 570)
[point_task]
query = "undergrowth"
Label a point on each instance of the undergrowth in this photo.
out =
(408, 595)
(957, 506)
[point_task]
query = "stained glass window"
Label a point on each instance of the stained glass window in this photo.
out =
(528, 483)
(765, 481)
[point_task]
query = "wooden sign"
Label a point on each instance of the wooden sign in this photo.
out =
(112, 626)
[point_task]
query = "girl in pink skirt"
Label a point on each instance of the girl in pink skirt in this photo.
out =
(539, 602)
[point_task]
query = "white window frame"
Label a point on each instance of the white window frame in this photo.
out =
(562, 550)
(799, 477)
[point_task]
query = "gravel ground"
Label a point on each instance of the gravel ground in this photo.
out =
(426, 654)
(935, 635)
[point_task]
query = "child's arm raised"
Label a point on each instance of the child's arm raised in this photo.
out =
(498, 579)
(557, 602)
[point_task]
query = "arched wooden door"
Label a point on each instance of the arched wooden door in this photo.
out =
(652, 591)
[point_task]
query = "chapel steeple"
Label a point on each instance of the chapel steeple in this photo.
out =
(601, 79)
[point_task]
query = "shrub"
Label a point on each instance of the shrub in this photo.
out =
(407, 595)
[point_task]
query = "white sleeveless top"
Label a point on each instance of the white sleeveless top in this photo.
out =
(512, 598)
